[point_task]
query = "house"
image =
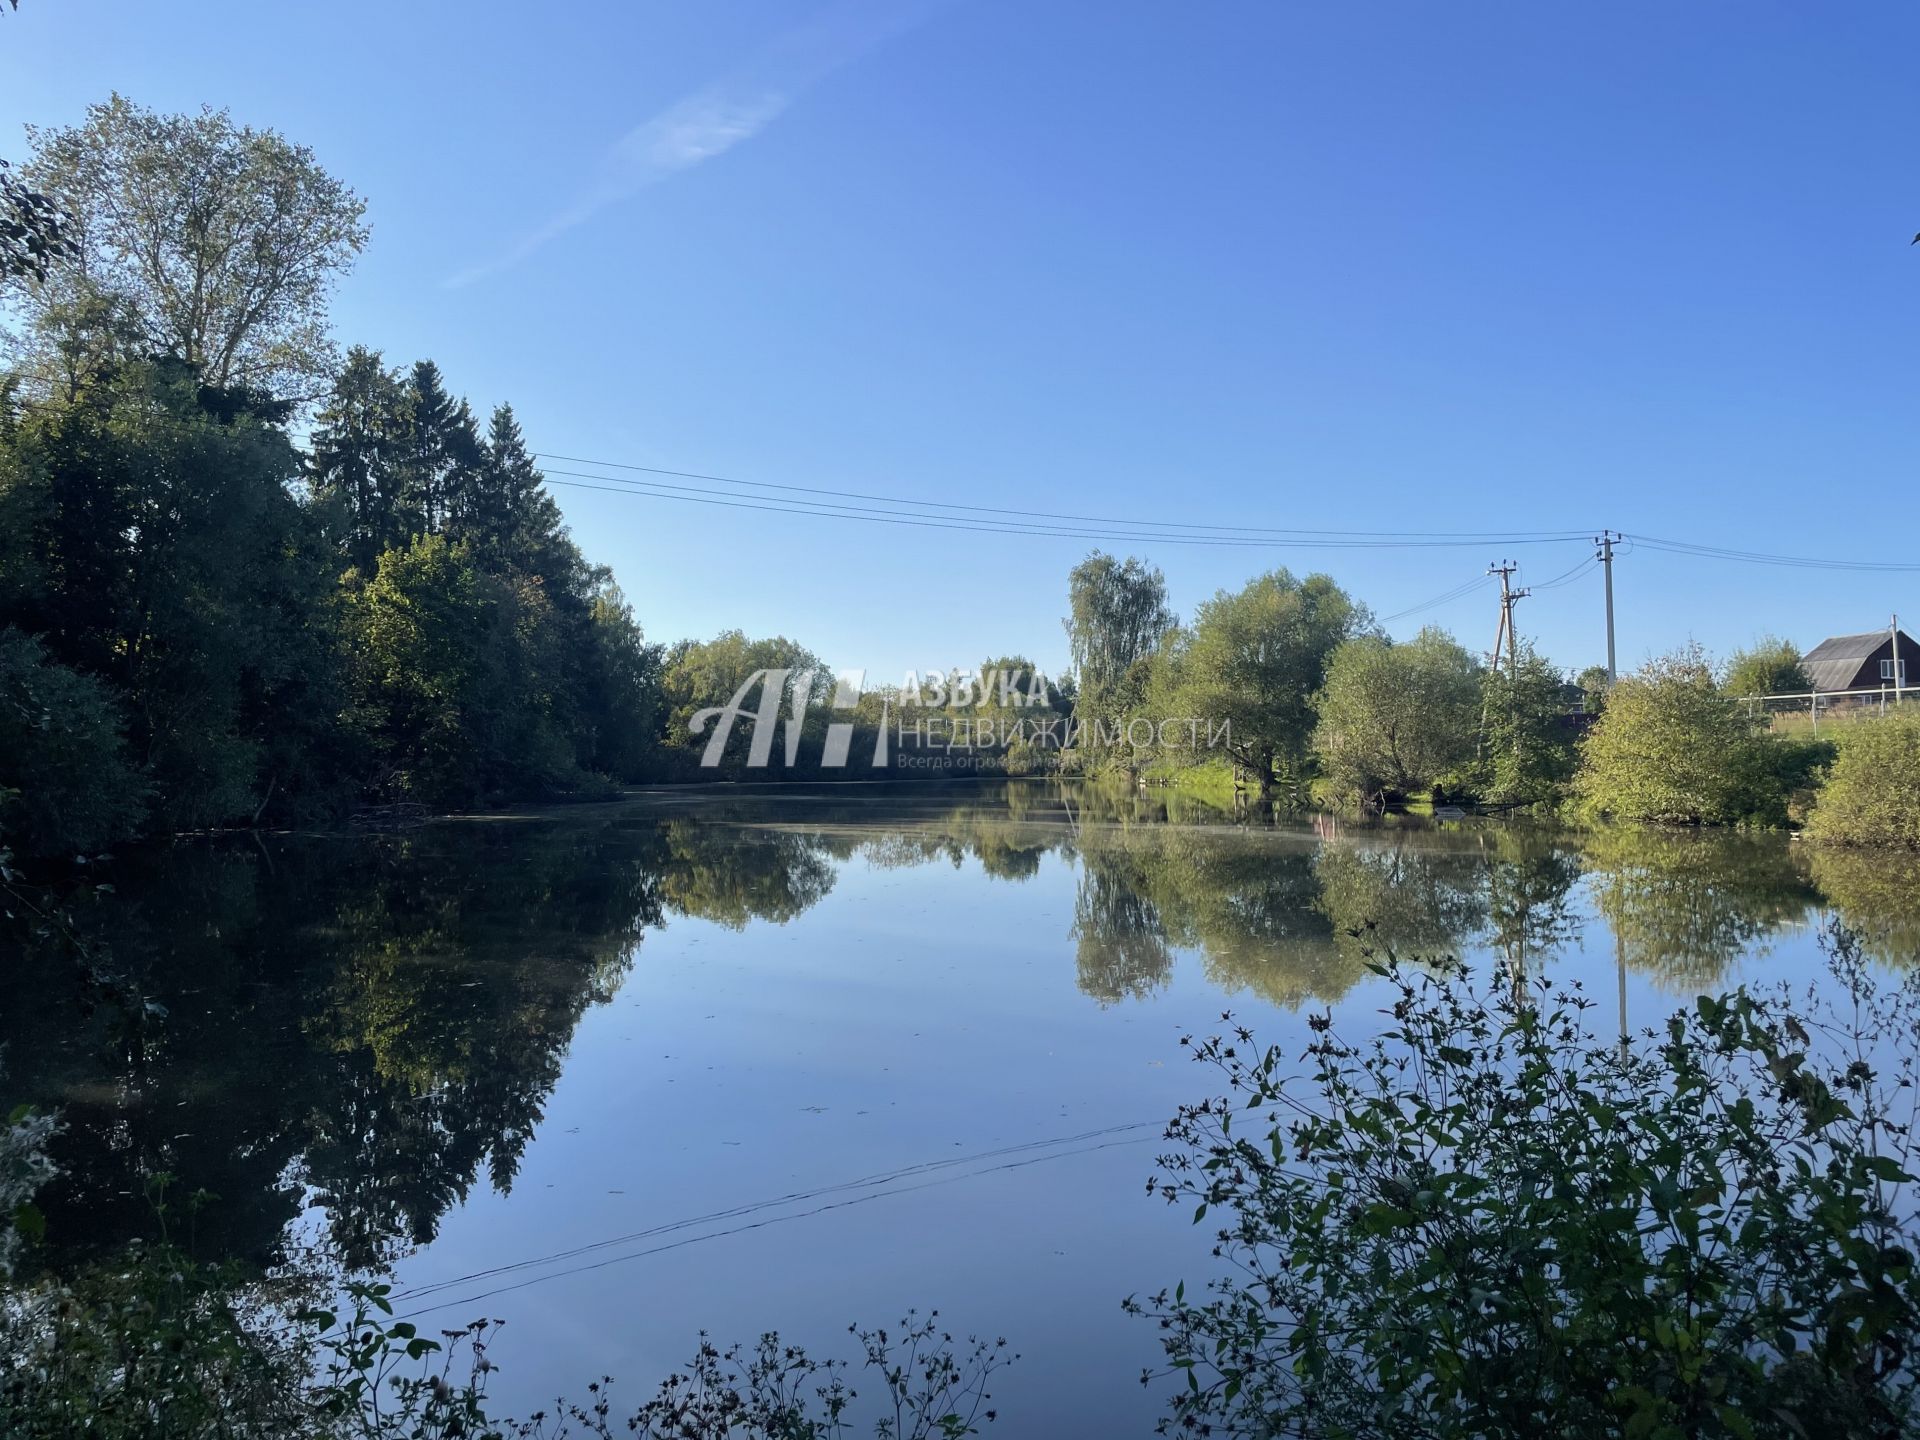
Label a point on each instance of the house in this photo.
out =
(1862, 662)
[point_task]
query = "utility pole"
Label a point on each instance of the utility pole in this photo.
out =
(1509, 597)
(1893, 632)
(1604, 555)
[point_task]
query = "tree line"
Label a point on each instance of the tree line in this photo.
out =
(205, 622)
(246, 578)
(1324, 706)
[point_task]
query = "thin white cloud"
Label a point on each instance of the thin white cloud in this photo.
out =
(713, 120)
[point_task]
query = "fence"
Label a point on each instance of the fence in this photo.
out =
(1816, 707)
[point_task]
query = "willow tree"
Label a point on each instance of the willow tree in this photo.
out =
(1117, 617)
(1397, 718)
(1253, 662)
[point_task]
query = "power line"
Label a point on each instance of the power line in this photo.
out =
(1757, 557)
(1576, 573)
(1458, 592)
(927, 514)
(1473, 537)
(660, 490)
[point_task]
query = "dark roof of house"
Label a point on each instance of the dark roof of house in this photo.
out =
(1833, 664)
(1847, 647)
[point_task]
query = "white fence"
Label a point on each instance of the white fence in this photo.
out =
(1826, 706)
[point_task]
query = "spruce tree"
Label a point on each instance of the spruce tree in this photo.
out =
(356, 468)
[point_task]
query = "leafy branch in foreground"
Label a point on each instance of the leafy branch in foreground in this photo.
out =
(1488, 1220)
(382, 1380)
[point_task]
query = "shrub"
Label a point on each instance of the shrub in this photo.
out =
(154, 1345)
(1491, 1221)
(1872, 792)
(66, 784)
(1395, 718)
(1670, 747)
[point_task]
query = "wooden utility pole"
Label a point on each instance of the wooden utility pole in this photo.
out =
(1509, 597)
(1604, 555)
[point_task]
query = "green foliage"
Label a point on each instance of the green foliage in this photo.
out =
(214, 244)
(1770, 666)
(1117, 621)
(151, 1343)
(355, 465)
(162, 553)
(1395, 718)
(1531, 745)
(1117, 612)
(153, 542)
(66, 785)
(33, 232)
(431, 640)
(24, 1167)
(158, 1346)
(458, 680)
(1255, 658)
(1671, 747)
(384, 1380)
(1492, 1221)
(1872, 793)
(701, 675)
(1594, 684)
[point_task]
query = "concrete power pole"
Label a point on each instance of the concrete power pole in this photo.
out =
(1893, 633)
(1604, 555)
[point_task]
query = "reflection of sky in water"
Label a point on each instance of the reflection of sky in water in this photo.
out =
(733, 1064)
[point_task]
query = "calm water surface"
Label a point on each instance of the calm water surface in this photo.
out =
(795, 1059)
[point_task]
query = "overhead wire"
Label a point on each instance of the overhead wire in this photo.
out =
(1759, 557)
(1456, 593)
(1006, 520)
(580, 480)
(1476, 537)
(1585, 567)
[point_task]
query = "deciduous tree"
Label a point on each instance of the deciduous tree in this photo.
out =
(1255, 658)
(221, 243)
(1396, 718)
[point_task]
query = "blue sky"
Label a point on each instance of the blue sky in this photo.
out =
(1481, 267)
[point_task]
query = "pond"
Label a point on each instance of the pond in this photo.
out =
(731, 1061)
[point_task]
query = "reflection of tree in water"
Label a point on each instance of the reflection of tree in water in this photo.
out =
(1530, 880)
(1120, 941)
(1401, 892)
(374, 1019)
(731, 875)
(1876, 894)
(1288, 919)
(1684, 905)
(1009, 841)
(1253, 912)
(381, 1021)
